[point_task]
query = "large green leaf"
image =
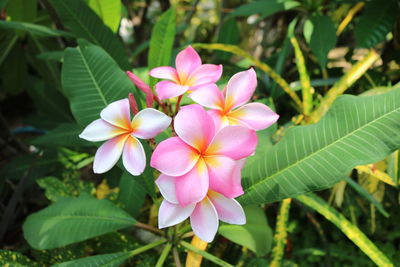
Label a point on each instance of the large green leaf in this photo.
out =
(35, 29)
(355, 131)
(376, 22)
(72, 220)
(322, 37)
(104, 260)
(64, 135)
(162, 40)
(22, 10)
(131, 193)
(109, 11)
(84, 23)
(256, 234)
(263, 7)
(91, 80)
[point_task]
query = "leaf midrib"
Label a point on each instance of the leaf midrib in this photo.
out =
(319, 150)
(92, 77)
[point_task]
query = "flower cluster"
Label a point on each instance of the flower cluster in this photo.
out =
(201, 164)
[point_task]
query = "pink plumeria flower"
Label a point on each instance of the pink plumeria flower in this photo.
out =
(188, 75)
(204, 215)
(230, 108)
(115, 124)
(200, 158)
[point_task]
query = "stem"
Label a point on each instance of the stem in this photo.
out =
(148, 246)
(176, 257)
(148, 228)
(164, 255)
(178, 103)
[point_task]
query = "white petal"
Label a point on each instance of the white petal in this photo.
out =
(117, 113)
(133, 157)
(166, 184)
(228, 209)
(204, 220)
(149, 122)
(100, 130)
(108, 154)
(171, 214)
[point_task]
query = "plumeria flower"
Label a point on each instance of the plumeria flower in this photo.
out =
(230, 108)
(204, 215)
(199, 158)
(115, 124)
(188, 75)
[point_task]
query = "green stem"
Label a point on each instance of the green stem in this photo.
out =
(349, 229)
(164, 255)
(147, 247)
(206, 255)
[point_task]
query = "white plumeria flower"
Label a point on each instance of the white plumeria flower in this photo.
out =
(204, 215)
(115, 125)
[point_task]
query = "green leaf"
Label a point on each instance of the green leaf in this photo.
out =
(105, 260)
(322, 38)
(84, 23)
(228, 34)
(355, 131)
(72, 220)
(162, 40)
(67, 134)
(365, 194)
(265, 8)
(7, 41)
(14, 70)
(350, 230)
(57, 56)
(35, 29)
(22, 10)
(376, 22)
(14, 259)
(255, 235)
(131, 194)
(109, 11)
(91, 80)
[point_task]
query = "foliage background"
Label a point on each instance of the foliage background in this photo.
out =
(305, 53)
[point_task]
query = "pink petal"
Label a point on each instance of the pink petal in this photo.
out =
(117, 113)
(142, 87)
(228, 209)
(240, 88)
(204, 220)
(255, 116)
(166, 184)
(208, 96)
(194, 126)
(149, 122)
(168, 89)
(174, 157)
(168, 73)
(236, 142)
(100, 130)
(205, 74)
(221, 175)
(171, 214)
(108, 154)
(187, 61)
(193, 186)
(220, 120)
(133, 156)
